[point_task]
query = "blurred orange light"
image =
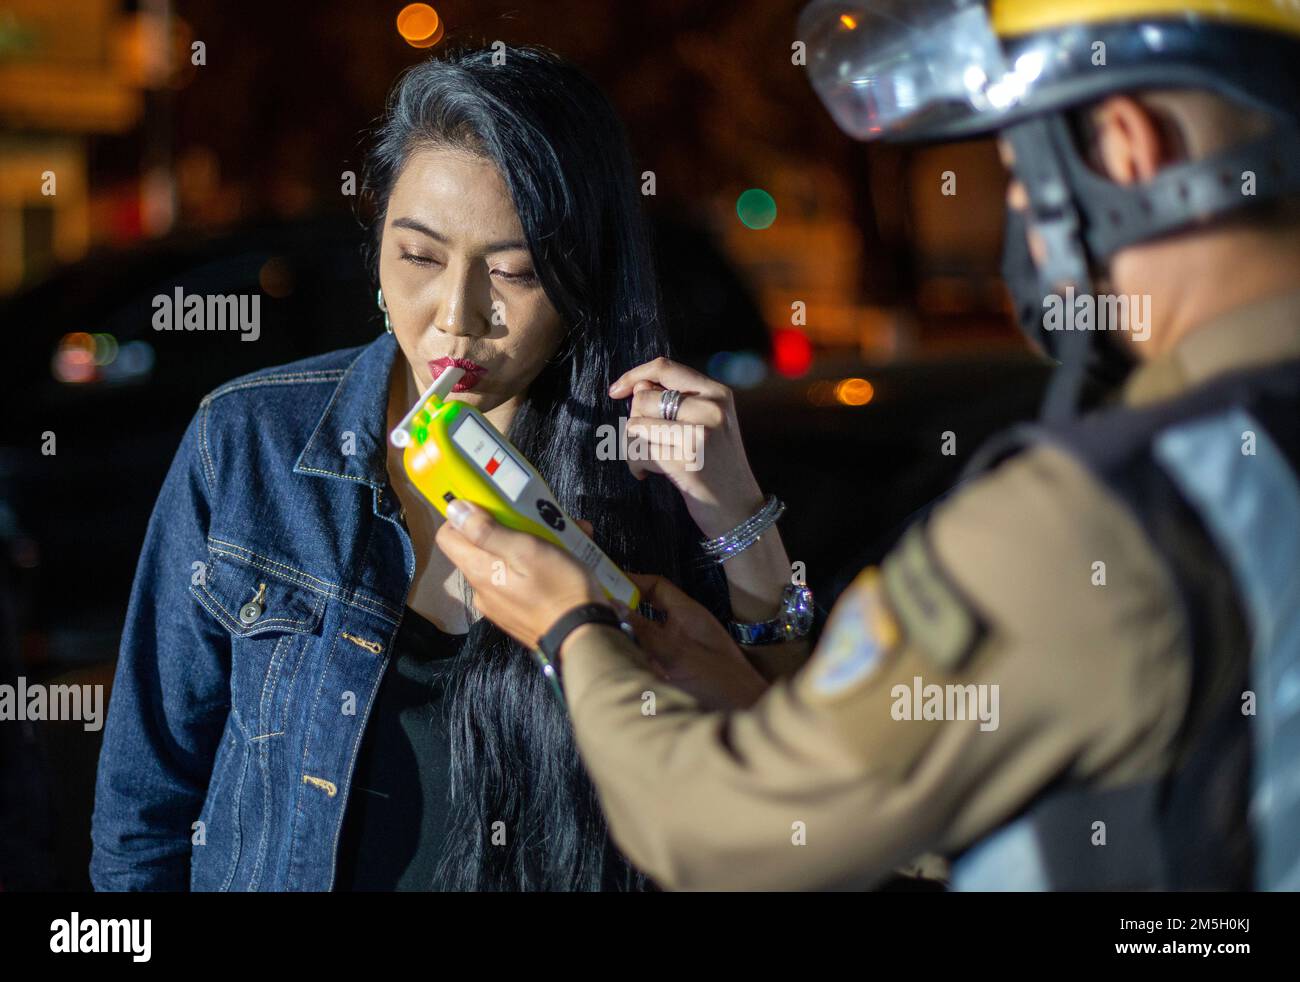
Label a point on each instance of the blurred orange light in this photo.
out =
(821, 393)
(418, 23)
(430, 41)
(275, 278)
(854, 392)
(848, 22)
(75, 359)
(153, 52)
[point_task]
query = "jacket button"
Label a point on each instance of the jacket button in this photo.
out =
(252, 610)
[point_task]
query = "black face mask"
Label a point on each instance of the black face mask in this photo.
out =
(1105, 366)
(1027, 290)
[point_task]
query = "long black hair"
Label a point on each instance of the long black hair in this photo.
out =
(563, 154)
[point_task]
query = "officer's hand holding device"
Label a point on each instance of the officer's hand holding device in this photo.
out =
(453, 453)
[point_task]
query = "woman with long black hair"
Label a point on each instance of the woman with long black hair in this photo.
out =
(305, 697)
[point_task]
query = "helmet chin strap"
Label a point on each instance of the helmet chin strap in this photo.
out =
(1053, 213)
(1105, 364)
(1084, 219)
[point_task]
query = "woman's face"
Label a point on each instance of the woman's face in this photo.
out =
(459, 282)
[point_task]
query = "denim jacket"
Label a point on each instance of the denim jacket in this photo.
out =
(272, 580)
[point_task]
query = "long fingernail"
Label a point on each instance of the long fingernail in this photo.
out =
(458, 512)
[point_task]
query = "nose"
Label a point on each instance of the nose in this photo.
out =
(1018, 200)
(461, 299)
(1006, 152)
(1017, 197)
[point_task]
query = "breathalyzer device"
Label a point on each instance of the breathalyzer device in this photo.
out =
(451, 451)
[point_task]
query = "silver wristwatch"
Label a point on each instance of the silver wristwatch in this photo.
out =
(793, 622)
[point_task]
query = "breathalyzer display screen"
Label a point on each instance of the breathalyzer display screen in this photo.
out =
(484, 450)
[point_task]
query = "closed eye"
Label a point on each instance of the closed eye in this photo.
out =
(418, 260)
(524, 279)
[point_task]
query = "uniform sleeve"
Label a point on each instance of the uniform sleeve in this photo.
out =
(989, 656)
(170, 696)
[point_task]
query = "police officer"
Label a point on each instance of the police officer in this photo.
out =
(1082, 669)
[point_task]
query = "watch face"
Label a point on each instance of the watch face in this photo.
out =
(797, 611)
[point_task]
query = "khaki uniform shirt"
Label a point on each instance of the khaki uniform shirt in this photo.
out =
(842, 773)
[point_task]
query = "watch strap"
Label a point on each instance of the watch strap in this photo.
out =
(792, 624)
(593, 613)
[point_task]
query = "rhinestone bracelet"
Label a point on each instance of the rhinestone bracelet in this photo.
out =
(746, 533)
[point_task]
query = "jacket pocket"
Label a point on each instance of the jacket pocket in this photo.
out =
(272, 622)
(274, 627)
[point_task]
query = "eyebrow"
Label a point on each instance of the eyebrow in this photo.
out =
(418, 226)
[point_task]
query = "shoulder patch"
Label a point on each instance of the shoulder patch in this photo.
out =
(934, 614)
(861, 630)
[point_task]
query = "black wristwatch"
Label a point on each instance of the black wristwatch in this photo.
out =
(547, 652)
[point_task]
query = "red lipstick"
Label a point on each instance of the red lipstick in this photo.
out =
(473, 371)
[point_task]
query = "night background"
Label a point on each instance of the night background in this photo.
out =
(229, 177)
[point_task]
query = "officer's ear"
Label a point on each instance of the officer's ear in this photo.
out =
(1127, 140)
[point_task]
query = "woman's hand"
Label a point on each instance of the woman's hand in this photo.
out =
(692, 650)
(701, 452)
(713, 477)
(521, 583)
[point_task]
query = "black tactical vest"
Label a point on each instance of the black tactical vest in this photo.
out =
(1212, 478)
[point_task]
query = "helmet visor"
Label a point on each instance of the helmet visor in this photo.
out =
(910, 69)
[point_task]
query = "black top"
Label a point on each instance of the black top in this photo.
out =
(397, 812)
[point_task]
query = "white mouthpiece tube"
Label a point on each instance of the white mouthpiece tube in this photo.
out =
(441, 388)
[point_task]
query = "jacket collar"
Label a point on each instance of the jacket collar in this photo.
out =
(1258, 333)
(359, 406)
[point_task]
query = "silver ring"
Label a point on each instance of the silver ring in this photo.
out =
(670, 400)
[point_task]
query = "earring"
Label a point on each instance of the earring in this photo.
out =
(379, 299)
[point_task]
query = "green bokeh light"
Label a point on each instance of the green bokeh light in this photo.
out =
(756, 208)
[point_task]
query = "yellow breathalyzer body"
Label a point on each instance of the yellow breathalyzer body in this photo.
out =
(451, 451)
